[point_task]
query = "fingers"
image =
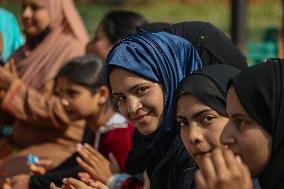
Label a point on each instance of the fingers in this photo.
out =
(87, 156)
(221, 170)
(98, 185)
(207, 168)
(52, 186)
(75, 183)
(86, 178)
(84, 175)
(200, 180)
(93, 151)
(89, 169)
(114, 165)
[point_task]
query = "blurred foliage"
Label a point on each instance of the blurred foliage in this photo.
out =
(262, 14)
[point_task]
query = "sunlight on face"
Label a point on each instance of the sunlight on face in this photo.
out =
(139, 100)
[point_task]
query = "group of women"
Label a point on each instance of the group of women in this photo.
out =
(201, 117)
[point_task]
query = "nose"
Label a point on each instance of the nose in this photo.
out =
(227, 135)
(27, 12)
(65, 102)
(195, 135)
(133, 105)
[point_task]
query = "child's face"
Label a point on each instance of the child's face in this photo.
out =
(201, 126)
(78, 101)
(139, 100)
(245, 137)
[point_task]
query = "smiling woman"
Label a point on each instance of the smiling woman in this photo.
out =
(144, 70)
(140, 100)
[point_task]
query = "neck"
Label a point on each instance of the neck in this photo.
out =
(96, 121)
(34, 41)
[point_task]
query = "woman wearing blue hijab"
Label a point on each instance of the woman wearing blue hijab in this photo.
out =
(143, 71)
(10, 34)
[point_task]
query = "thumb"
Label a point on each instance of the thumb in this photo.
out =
(114, 165)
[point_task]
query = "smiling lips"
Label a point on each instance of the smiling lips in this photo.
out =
(139, 118)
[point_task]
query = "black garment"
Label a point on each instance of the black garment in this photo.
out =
(138, 157)
(174, 170)
(35, 41)
(212, 45)
(135, 165)
(69, 168)
(260, 89)
(209, 85)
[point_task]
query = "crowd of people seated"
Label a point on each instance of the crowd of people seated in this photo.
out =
(139, 106)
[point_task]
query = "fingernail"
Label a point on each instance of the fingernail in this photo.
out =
(238, 159)
(79, 146)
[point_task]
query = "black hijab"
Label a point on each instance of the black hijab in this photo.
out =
(212, 45)
(209, 85)
(260, 89)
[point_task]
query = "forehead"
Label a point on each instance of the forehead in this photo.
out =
(35, 2)
(65, 83)
(121, 79)
(189, 105)
(233, 103)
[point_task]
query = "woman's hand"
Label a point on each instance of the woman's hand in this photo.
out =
(222, 170)
(94, 163)
(72, 183)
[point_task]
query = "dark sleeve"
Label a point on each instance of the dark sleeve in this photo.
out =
(68, 168)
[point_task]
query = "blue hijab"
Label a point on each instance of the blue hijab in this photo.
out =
(10, 32)
(159, 57)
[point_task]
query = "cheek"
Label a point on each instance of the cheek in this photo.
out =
(184, 137)
(255, 157)
(42, 19)
(123, 110)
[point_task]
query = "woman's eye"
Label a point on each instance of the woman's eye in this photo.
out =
(142, 90)
(119, 99)
(207, 119)
(181, 124)
(240, 123)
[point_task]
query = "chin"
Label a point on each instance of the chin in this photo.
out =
(145, 130)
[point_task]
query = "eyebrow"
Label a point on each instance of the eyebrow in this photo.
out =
(196, 115)
(239, 115)
(131, 89)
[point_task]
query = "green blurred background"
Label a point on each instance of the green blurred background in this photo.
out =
(263, 16)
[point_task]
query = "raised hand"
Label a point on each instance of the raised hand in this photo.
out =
(94, 163)
(222, 170)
